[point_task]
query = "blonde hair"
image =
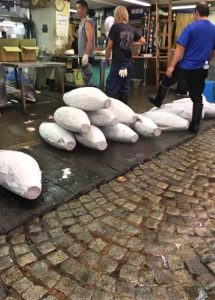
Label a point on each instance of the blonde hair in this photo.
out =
(121, 14)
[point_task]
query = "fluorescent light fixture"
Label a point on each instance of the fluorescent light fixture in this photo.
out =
(73, 10)
(183, 7)
(175, 7)
(138, 2)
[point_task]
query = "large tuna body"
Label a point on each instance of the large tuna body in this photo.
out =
(183, 110)
(94, 138)
(146, 127)
(87, 98)
(57, 136)
(72, 118)
(20, 173)
(120, 133)
(123, 112)
(167, 121)
(102, 117)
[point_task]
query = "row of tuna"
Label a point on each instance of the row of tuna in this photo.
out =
(90, 118)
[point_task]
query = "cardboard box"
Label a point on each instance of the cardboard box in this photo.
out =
(9, 50)
(29, 50)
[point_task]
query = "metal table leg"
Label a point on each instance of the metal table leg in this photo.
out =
(22, 90)
(62, 78)
(145, 67)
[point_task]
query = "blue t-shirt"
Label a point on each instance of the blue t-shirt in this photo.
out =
(198, 39)
(122, 36)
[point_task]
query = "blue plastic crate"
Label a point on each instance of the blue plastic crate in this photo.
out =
(209, 90)
(96, 75)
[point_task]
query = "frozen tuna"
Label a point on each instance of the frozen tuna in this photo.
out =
(94, 138)
(120, 133)
(20, 173)
(102, 117)
(146, 127)
(87, 98)
(57, 136)
(167, 121)
(72, 118)
(123, 112)
(183, 110)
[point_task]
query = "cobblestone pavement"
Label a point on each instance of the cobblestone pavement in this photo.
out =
(147, 235)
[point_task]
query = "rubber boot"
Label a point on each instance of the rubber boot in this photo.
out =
(196, 117)
(123, 97)
(157, 100)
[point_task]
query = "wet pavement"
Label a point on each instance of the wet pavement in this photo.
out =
(149, 234)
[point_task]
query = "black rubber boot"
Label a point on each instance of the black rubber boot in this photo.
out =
(196, 117)
(123, 97)
(157, 100)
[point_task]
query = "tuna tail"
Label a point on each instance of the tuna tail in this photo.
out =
(196, 117)
(158, 99)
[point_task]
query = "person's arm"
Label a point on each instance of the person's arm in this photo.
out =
(179, 52)
(108, 50)
(90, 37)
(213, 54)
(140, 42)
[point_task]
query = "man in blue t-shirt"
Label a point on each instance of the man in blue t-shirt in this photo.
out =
(120, 40)
(195, 47)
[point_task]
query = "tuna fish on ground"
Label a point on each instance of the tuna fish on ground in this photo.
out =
(123, 112)
(166, 120)
(57, 136)
(208, 108)
(146, 127)
(72, 118)
(20, 173)
(87, 98)
(183, 110)
(102, 117)
(94, 138)
(120, 133)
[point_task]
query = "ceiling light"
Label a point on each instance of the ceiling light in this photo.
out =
(73, 10)
(175, 7)
(138, 2)
(183, 7)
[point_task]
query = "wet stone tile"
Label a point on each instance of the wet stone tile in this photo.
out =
(106, 283)
(22, 285)
(97, 245)
(26, 259)
(107, 265)
(135, 219)
(117, 252)
(90, 257)
(38, 238)
(2, 239)
(101, 296)
(18, 239)
(21, 249)
(38, 269)
(4, 250)
(207, 280)
(11, 275)
(5, 262)
(50, 278)
(57, 257)
(35, 292)
(129, 273)
(46, 247)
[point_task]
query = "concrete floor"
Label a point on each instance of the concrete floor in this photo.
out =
(148, 234)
